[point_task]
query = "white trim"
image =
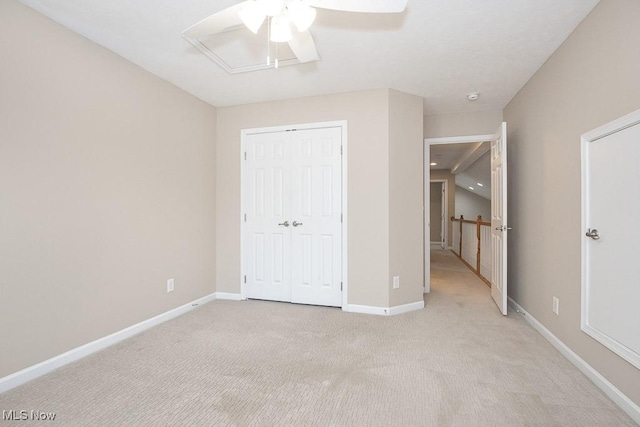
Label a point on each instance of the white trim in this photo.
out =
(608, 341)
(345, 259)
(426, 205)
(614, 126)
(405, 308)
(458, 139)
(227, 296)
(342, 124)
(366, 309)
(384, 311)
(619, 398)
(42, 368)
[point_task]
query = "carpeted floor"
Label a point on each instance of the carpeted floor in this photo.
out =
(458, 362)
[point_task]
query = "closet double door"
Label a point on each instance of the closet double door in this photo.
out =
(292, 199)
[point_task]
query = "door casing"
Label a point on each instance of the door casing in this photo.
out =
(342, 124)
(625, 122)
(428, 142)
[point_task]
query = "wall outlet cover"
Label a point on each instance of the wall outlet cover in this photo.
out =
(396, 282)
(170, 285)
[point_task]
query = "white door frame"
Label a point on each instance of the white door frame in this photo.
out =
(342, 124)
(631, 119)
(428, 142)
(445, 208)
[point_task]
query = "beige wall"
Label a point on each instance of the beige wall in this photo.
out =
(107, 179)
(471, 205)
(462, 124)
(369, 185)
(406, 194)
(591, 80)
(451, 197)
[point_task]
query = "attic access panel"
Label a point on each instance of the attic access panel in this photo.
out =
(240, 51)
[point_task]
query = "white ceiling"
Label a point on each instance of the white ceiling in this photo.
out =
(479, 172)
(437, 49)
(449, 155)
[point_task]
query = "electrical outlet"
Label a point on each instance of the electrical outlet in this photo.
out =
(396, 282)
(170, 285)
(556, 304)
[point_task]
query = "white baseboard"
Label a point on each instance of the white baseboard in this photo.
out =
(619, 398)
(405, 308)
(35, 371)
(383, 311)
(228, 296)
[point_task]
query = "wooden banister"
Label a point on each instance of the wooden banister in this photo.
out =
(479, 223)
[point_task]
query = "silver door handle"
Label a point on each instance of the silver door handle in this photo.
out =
(296, 223)
(503, 228)
(593, 234)
(286, 223)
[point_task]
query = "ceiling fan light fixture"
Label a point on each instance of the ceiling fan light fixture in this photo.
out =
(280, 29)
(252, 17)
(301, 14)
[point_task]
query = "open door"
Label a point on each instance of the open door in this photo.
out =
(499, 218)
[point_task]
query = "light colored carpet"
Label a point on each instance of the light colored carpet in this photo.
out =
(456, 363)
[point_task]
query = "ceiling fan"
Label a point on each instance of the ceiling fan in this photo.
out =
(288, 20)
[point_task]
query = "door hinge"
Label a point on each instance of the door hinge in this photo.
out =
(245, 217)
(245, 155)
(341, 150)
(340, 286)
(340, 218)
(245, 279)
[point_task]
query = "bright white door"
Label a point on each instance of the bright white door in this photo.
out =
(610, 235)
(292, 191)
(267, 223)
(499, 218)
(316, 209)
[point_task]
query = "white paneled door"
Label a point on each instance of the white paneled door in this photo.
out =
(499, 218)
(293, 227)
(610, 290)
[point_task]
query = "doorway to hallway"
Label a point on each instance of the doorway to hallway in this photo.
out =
(490, 226)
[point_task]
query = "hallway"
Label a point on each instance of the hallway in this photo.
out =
(506, 358)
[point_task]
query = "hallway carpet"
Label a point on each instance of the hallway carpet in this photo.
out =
(458, 362)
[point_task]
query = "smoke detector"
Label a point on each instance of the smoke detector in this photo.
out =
(473, 96)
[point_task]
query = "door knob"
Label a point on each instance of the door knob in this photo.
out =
(593, 234)
(296, 223)
(286, 223)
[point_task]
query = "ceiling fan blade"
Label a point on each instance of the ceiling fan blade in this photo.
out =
(367, 6)
(216, 23)
(303, 46)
